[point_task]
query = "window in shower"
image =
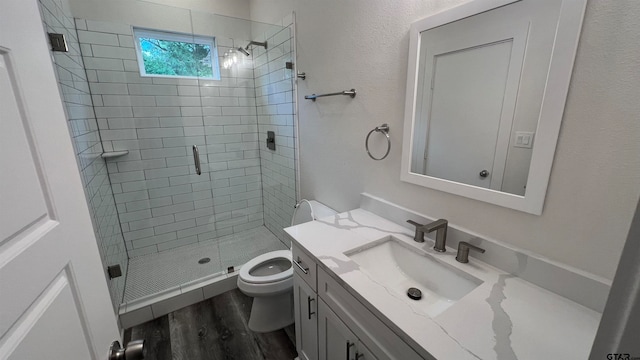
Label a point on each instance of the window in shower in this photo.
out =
(166, 54)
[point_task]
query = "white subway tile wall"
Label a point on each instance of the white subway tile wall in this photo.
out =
(161, 201)
(83, 127)
(275, 106)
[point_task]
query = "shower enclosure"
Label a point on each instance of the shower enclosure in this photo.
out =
(169, 110)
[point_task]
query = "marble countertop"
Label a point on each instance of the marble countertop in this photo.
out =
(505, 317)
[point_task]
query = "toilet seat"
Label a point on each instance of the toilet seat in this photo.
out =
(261, 259)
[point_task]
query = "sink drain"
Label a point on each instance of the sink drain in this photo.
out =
(204, 260)
(414, 293)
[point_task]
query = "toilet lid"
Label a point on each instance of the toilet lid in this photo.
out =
(261, 259)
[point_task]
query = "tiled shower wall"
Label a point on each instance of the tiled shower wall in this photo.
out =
(275, 106)
(161, 202)
(83, 127)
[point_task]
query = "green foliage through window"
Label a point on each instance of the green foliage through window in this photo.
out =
(172, 57)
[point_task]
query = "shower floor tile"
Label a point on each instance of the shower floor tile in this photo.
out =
(155, 273)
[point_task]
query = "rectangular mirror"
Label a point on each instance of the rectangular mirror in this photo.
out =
(486, 87)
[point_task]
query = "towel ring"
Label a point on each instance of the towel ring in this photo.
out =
(384, 128)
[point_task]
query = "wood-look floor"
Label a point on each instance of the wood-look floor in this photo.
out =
(210, 330)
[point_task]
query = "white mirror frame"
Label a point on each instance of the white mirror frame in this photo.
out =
(551, 110)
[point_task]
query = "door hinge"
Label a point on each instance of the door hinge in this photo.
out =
(58, 42)
(114, 271)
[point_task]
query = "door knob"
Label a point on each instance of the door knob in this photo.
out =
(484, 173)
(134, 350)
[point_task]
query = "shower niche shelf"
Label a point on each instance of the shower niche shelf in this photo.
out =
(114, 154)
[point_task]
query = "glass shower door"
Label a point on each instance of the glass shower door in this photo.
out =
(189, 199)
(164, 205)
(234, 147)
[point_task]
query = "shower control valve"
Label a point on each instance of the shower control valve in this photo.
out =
(271, 140)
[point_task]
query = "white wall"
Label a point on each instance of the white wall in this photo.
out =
(235, 8)
(270, 11)
(172, 15)
(595, 181)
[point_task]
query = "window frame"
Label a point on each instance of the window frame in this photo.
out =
(177, 37)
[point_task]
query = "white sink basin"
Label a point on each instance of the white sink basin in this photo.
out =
(398, 267)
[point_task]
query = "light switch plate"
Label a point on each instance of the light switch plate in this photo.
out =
(524, 139)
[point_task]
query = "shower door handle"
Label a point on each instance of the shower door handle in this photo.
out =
(196, 159)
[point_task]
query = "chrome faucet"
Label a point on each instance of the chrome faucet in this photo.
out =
(441, 236)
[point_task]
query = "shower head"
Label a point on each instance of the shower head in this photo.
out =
(245, 52)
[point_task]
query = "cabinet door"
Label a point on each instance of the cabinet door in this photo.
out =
(368, 328)
(363, 353)
(306, 315)
(335, 340)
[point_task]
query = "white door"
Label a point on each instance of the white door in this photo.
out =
(54, 302)
(470, 82)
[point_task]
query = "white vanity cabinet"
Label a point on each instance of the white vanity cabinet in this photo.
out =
(305, 305)
(335, 339)
(306, 316)
(331, 324)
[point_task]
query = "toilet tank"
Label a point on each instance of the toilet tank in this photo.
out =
(303, 212)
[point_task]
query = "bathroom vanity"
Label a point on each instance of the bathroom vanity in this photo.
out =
(351, 275)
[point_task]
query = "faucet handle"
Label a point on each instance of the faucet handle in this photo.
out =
(463, 251)
(419, 235)
(416, 224)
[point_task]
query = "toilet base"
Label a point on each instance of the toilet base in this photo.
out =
(270, 313)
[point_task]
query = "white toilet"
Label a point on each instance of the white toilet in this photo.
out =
(268, 278)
